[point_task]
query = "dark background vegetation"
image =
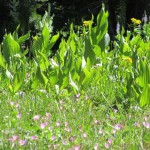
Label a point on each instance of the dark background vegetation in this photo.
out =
(14, 12)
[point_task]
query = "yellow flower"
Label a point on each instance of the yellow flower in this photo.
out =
(87, 23)
(136, 21)
(127, 59)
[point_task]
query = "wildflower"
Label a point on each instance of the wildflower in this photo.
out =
(55, 146)
(84, 135)
(34, 137)
(96, 122)
(78, 95)
(46, 123)
(110, 141)
(66, 124)
(127, 59)
(71, 139)
(42, 125)
(14, 138)
(86, 97)
(146, 118)
(76, 148)
(17, 105)
(107, 145)
(37, 117)
(61, 102)
(95, 146)
(58, 124)
(146, 124)
(50, 129)
(135, 21)
(114, 131)
(68, 129)
(87, 23)
(64, 142)
(53, 138)
(19, 115)
(118, 126)
(136, 124)
(22, 142)
(48, 115)
(12, 103)
(100, 132)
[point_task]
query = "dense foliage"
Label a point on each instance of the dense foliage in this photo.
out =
(89, 94)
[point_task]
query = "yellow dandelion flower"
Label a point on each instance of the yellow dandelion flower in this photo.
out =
(127, 59)
(136, 21)
(87, 23)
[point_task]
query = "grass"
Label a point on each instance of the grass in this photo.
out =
(40, 120)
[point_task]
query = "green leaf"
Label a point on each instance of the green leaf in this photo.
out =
(35, 83)
(43, 62)
(19, 77)
(10, 48)
(53, 41)
(73, 46)
(41, 77)
(2, 61)
(88, 78)
(23, 38)
(89, 52)
(97, 50)
(53, 79)
(145, 97)
(72, 83)
(15, 33)
(46, 35)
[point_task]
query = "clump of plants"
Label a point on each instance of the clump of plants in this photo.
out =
(85, 96)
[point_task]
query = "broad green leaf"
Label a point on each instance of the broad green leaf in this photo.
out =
(15, 33)
(46, 35)
(73, 46)
(23, 38)
(145, 97)
(72, 83)
(37, 45)
(88, 78)
(19, 77)
(43, 62)
(41, 77)
(53, 79)
(10, 48)
(97, 50)
(53, 41)
(2, 61)
(89, 52)
(35, 83)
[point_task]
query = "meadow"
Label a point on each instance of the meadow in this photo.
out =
(89, 95)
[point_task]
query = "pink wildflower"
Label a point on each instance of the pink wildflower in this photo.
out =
(95, 146)
(48, 115)
(100, 132)
(34, 137)
(118, 126)
(22, 142)
(19, 115)
(14, 138)
(84, 135)
(42, 125)
(58, 124)
(36, 117)
(53, 138)
(146, 124)
(107, 145)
